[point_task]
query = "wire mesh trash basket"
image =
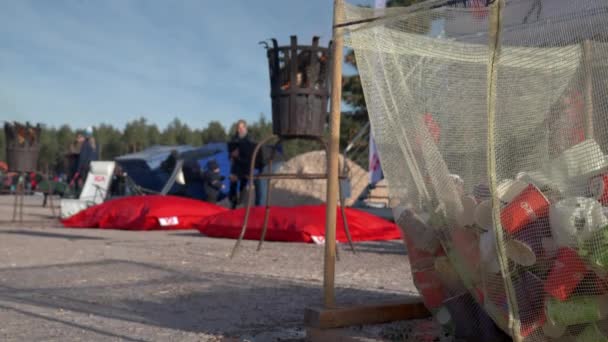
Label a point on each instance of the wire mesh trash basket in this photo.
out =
(299, 77)
(22, 146)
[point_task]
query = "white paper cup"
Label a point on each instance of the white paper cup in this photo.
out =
(520, 252)
(585, 158)
(536, 178)
(575, 219)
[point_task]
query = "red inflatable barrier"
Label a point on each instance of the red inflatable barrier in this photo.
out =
(145, 213)
(298, 224)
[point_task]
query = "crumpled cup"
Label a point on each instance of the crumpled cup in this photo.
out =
(576, 219)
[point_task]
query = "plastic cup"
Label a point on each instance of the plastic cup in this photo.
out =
(527, 207)
(430, 287)
(598, 186)
(577, 310)
(576, 219)
(565, 275)
(508, 189)
(526, 246)
(448, 274)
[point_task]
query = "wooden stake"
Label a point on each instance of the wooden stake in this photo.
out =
(329, 297)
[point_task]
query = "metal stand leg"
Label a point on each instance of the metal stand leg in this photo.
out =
(16, 201)
(251, 194)
(268, 186)
(346, 230)
(342, 205)
(21, 198)
(250, 199)
(49, 192)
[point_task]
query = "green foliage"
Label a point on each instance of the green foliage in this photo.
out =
(140, 134)
(49, 149)
(214, 132)
(109, 141)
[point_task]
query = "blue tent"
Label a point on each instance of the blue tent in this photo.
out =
(144, 167)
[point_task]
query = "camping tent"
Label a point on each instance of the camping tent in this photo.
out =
(144, 166)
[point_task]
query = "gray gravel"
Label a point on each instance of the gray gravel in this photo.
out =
(61, 284)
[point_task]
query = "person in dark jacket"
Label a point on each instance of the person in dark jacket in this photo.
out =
(88, 153)
(213, 182)
(241, 149)
(169, 164)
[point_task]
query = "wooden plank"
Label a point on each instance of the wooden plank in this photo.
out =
(323, 318)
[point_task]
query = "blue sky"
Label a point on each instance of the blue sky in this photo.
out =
(86, 62)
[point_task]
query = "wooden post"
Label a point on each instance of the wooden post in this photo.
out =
(329, 298)
(588, 60)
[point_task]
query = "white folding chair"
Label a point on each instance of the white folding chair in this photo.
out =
(94, 191)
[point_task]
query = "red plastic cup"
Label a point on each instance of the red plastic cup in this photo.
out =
(598, 186)
(430, 287)
(567, 272)
(420, 259)
(529, 327)
(527, 207)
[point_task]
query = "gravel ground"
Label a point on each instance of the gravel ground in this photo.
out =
(61, 284)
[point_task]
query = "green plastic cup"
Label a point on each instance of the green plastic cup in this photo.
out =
(577, 310)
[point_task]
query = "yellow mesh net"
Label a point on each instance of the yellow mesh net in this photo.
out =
(491, 127)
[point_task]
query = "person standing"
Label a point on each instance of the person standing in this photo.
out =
(88, 153)
(213, 182)
(72, 156)
(240, 149)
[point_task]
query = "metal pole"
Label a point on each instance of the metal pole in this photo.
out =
(329, 298)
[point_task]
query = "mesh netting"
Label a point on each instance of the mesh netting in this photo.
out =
(492, 132)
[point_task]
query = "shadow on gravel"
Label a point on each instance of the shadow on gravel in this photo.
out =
(382, 247)
(51, 235)
(227, 303)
